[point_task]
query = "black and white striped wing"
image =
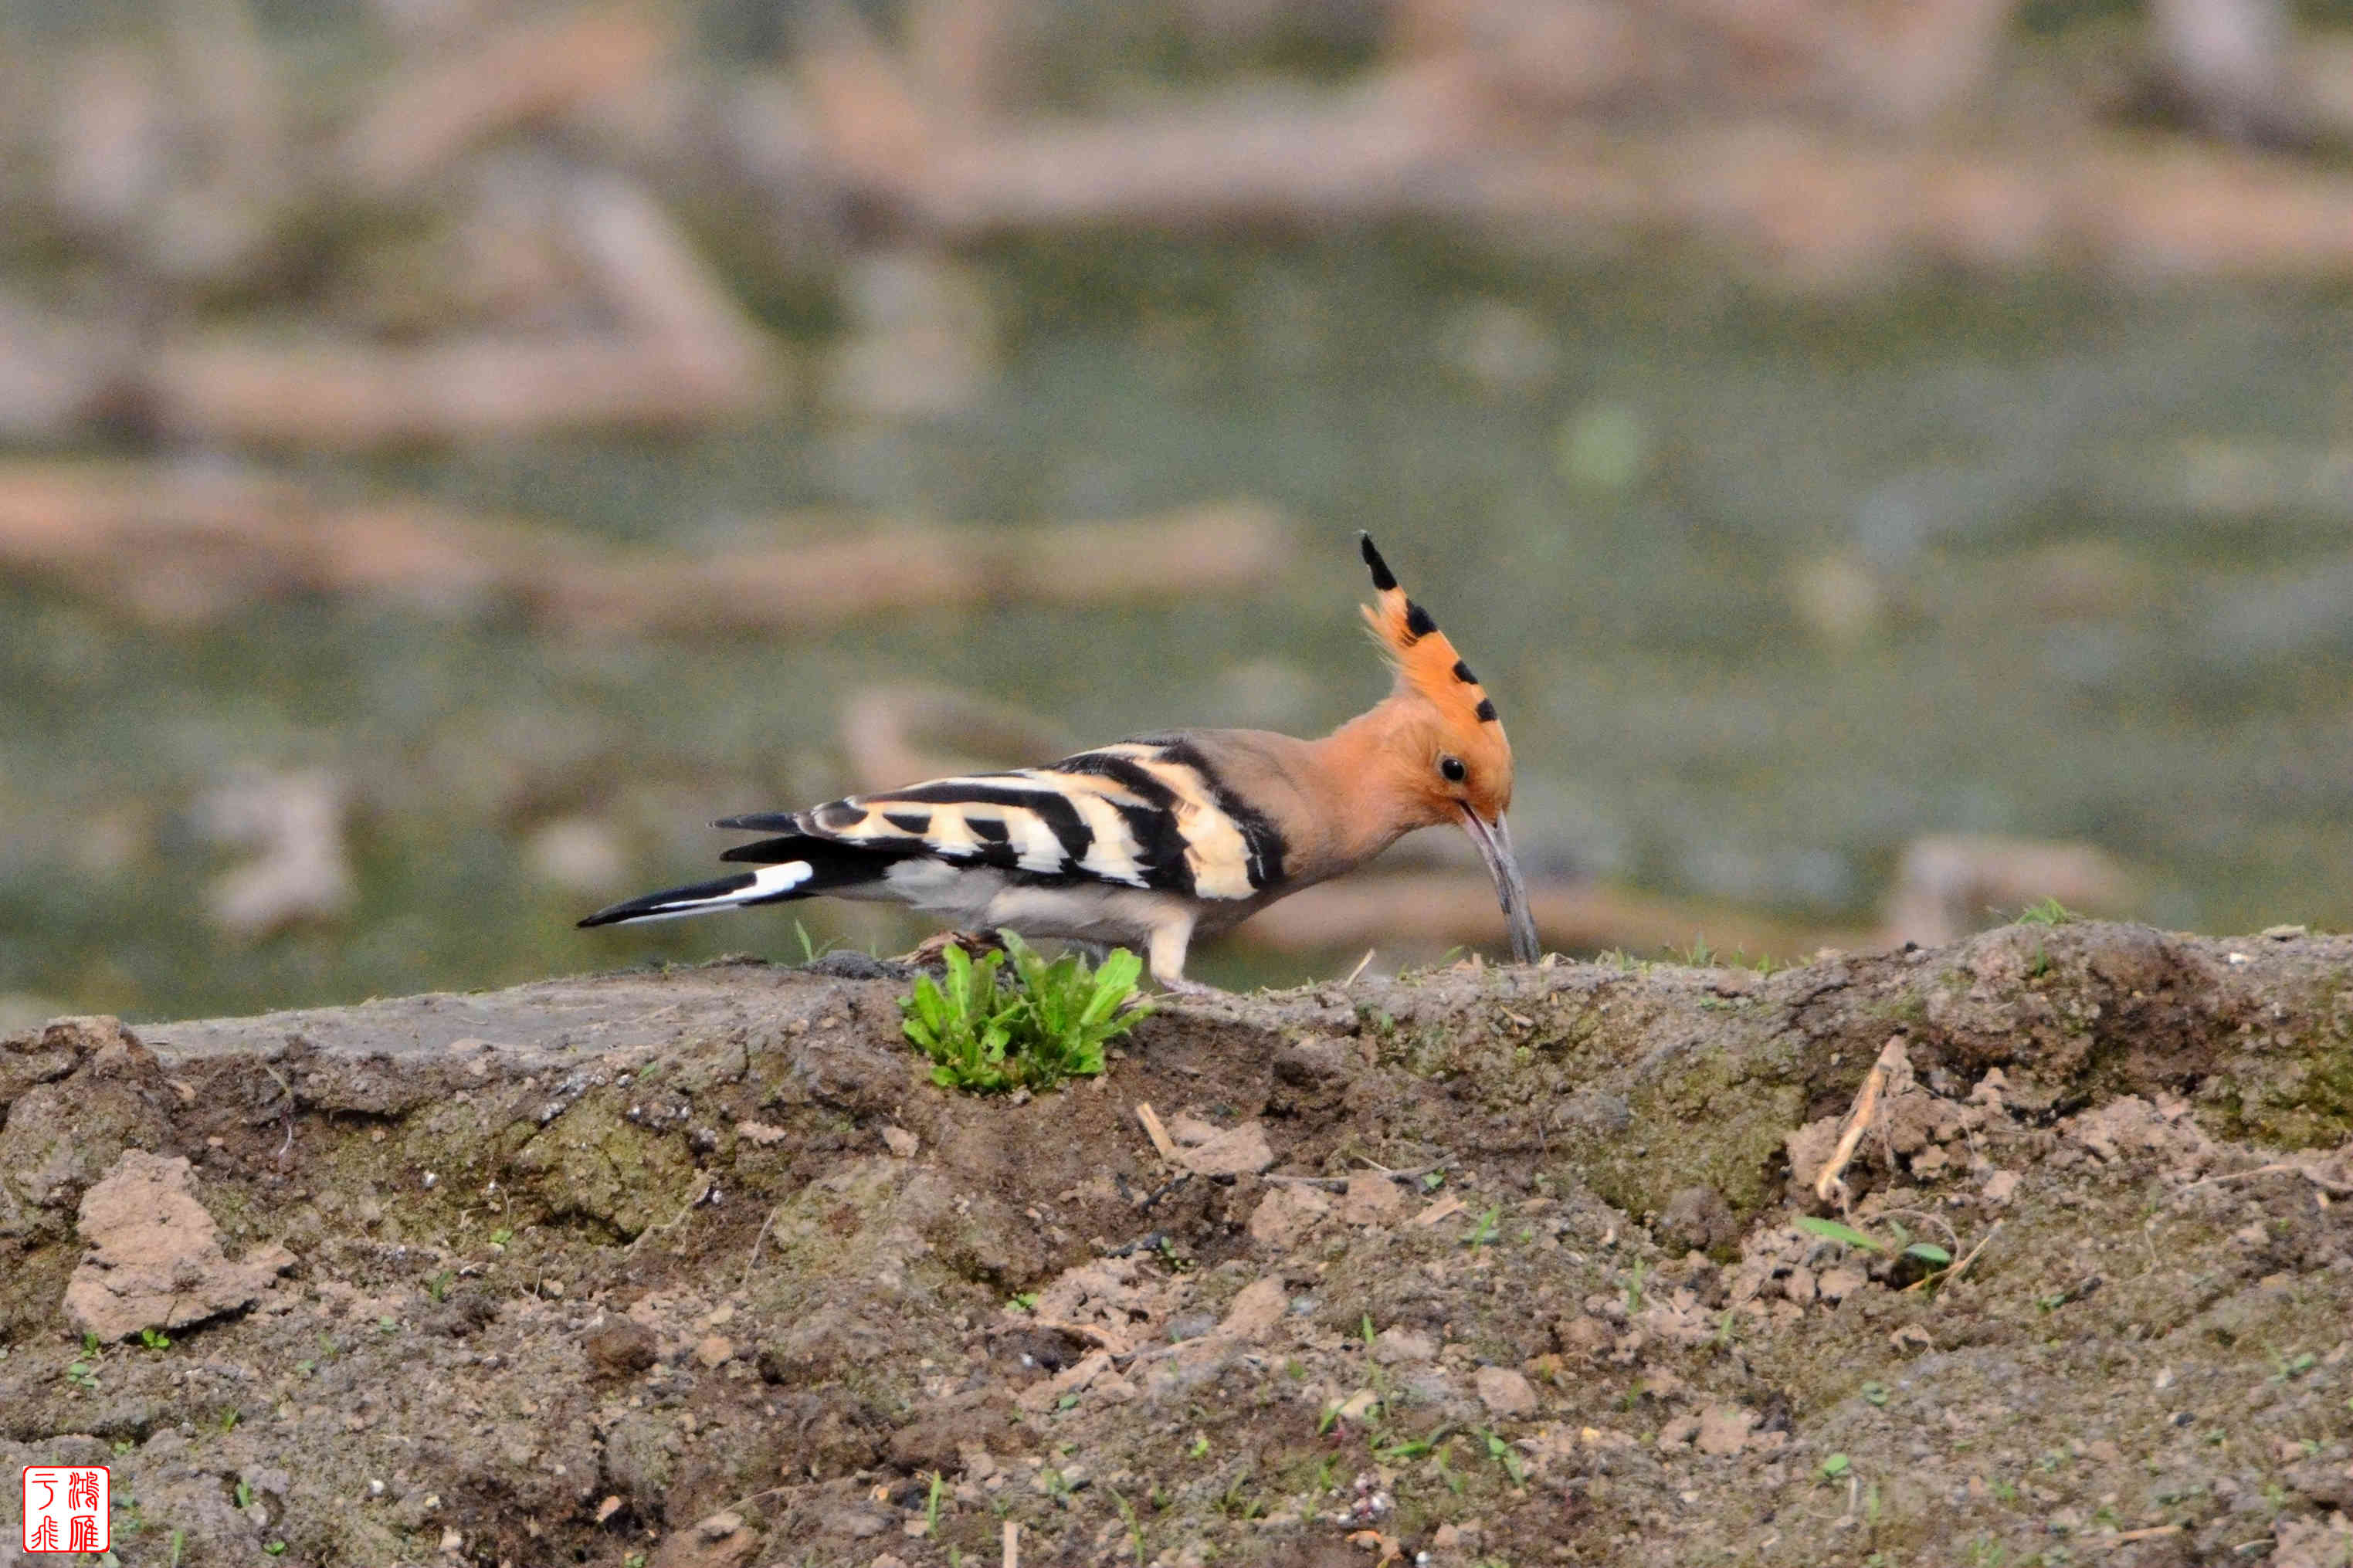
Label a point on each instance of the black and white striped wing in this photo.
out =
(1150, 814)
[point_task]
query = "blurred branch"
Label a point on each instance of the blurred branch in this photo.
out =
(423, 118)
(325, 392)
(899, 568)
(175, 546)
(492, 290)
(684, 356)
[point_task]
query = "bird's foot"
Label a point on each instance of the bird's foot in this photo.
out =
(932, 951)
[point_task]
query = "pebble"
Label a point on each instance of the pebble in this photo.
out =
(1504, 1392)
(1395, 1344)
(620, 1344)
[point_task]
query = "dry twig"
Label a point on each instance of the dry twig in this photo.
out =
(1859, 1118)
(2152, 1532)
(1451, 1203)
(753, 1261)
(2333, 1186)
(1946, 1276)
(675, 1220)
(1155, 1131)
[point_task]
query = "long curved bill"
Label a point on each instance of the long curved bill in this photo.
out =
(1494, 842)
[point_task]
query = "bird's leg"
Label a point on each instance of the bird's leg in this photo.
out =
(932, 949)
(1165, 951)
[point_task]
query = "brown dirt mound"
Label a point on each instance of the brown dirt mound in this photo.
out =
(695, 1268)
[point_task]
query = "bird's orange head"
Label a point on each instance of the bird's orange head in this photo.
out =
(1437, 707)
(1437, 745)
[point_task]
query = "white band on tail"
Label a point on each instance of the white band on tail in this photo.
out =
(766, 883)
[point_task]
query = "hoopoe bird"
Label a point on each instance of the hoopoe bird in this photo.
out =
(1154, 841)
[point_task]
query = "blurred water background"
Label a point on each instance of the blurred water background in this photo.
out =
(1891, 462)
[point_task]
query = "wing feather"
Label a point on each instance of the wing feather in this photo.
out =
(1143, 814)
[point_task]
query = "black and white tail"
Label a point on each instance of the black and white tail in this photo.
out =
(802, 869)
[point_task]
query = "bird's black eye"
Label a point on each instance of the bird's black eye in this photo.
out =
(1453, 770)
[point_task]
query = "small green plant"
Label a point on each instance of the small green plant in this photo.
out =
(812, 951)
(1504, 1455)
(438, 1286)
(931, 1506)
(1902, 1247)
(1233, 1504)
(1200, 1449)
(1049, 1024)
(155, 1339)
(1634, 1285)
(1483, 1232)
(1698, 955)
(244, 1496)
(231, 1417)
(1025, 1301)
(1134, 1526)
(82, 1372)
(500, 1236)
(1835, 1466)
(2048, 912)
(179, 1539)
(1875, 1394)
(276, 1549)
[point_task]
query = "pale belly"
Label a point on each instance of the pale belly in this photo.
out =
(983, 899)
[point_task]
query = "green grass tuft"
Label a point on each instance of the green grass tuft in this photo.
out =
(987, 1035)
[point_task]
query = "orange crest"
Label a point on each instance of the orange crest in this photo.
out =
(1429, 668)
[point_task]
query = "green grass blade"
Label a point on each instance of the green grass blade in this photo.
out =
(1834, 1231)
